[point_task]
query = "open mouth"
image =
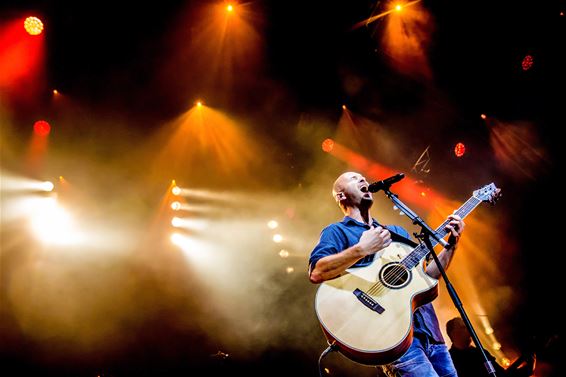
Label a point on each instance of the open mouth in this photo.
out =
(364, 189)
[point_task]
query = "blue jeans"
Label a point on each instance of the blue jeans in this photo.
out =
(422, 359)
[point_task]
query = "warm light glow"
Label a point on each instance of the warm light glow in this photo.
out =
(206, 138)
(527, 62)
(47, 186)
(177, 239)
(423, 194)
(344, 107)
(405, 38)
(175, 206)
(277, 238)
(194, 250)
(199, 103)
(12, 183)
(496, 346)
(55, 91)
(459, 149)
(176, 190)
(489, 330)
(272, 224)
(290, 270)
(52, 224)
(33, 25)
(229, 8)
(328, 145)
(483, 116)
(284, 253)
(41, 128)
(506, 362)
(191, 224)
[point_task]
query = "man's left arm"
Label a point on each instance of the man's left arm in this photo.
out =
(455, 227)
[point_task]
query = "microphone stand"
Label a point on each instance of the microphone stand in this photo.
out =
(425, 236)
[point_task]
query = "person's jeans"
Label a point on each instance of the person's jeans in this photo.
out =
(422, 359)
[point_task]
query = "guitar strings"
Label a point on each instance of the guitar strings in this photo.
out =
(398, 271)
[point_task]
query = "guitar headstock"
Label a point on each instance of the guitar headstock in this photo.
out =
(488, 193)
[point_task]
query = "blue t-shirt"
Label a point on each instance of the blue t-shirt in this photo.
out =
(346, 233)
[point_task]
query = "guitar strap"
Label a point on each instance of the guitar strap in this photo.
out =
(399, 238)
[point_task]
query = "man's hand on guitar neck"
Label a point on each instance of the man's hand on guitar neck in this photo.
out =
(455, 226)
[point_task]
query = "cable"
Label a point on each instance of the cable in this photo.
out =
(331, 347)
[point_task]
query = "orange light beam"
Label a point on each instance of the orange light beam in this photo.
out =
(408, 188)
(381, 15)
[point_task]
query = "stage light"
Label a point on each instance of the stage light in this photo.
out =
(344, 107)
(483, 116)
(527, 62)
(272, 224)
(277, 238)
(328, 145)
(175, 206)
(55, 91)
(398, 7)
(284, 253)
(176, 190)
(489, 330)
(190, 224)
(47, 186)
(52, 224)
(41, 128)
(290, 270)
(199, 103)
(459, 149)
(496, 346)
(177, 239)
(33, 25)
(229, 8)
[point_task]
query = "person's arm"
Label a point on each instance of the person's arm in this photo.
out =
(456, 227)
(331, 266)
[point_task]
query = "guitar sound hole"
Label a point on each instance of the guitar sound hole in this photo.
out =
(395, 275)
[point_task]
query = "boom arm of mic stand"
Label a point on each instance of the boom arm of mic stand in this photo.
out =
(415, 218)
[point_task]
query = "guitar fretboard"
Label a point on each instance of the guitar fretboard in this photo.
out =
(421, 251)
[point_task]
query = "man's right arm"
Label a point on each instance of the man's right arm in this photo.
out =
(334, 265)
(331, 266)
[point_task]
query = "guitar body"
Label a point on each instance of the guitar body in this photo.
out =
(368, 311)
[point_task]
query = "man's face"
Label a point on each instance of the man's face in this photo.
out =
(355, 189)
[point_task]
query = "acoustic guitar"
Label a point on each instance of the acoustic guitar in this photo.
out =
(367, 312)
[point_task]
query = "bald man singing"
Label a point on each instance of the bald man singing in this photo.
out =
(355, 242)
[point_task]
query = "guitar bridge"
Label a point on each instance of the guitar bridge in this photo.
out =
(368, 301)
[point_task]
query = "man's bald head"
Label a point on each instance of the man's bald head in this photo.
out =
(340, 184)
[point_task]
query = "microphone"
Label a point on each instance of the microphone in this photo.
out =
(386, 183)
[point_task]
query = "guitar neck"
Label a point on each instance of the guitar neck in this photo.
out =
(422, 251)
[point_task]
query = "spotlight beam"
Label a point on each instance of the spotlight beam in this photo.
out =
(368, 21)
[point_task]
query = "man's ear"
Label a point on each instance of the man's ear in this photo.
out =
(340, 196)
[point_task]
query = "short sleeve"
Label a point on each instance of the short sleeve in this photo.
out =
(332, 241)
